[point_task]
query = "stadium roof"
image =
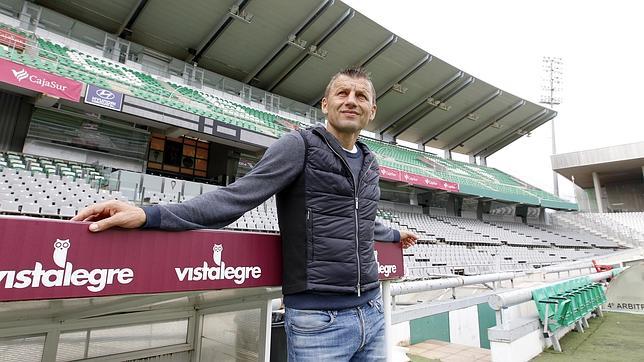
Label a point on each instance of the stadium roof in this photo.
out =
(613, 164)
(421, 98)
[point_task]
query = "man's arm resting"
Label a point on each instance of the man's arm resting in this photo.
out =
(112, 213)
(384, 233)
(279, 167)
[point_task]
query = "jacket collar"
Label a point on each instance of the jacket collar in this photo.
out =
(335, 144)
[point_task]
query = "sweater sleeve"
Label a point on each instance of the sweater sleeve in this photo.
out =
(280, 166)
(384, 233)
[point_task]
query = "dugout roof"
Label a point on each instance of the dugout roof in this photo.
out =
(421, 98)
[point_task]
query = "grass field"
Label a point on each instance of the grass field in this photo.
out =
(616, 337)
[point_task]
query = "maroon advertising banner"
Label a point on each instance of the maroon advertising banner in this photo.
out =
(39, 81)
(52, 259)
(428, 182)
(391, 174)
(390, 260)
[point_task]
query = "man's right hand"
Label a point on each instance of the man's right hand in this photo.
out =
(112, 213)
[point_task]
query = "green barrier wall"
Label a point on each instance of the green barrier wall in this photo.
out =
(487, 319)
(431, 327)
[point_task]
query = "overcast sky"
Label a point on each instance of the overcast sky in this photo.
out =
(502, 42)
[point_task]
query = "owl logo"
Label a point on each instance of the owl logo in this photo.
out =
(60, 252)
(216, 253)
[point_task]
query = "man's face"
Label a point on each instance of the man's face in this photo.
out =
(349, 106)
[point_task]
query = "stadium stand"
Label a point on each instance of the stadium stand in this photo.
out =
(39, 186)
(71, 63)
(605, 225)
(519, 245)
(472, 179)
(36, 185)
(464, 246)
(426, 260)
(634, 220)
(452, 229)
(58, 59)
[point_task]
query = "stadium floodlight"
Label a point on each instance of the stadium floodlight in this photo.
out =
(473, 117)
(552, 87)
(552, 80)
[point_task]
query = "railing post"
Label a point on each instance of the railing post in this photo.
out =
(386, 303)
(265, 325)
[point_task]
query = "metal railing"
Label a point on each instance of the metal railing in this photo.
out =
(390, 290)
(502, 301)
(497, 301)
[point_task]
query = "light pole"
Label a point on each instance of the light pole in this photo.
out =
(552, 81)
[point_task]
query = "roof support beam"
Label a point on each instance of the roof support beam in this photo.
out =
(513, 137)
(485, 125)
(543, 112)
(216, 32)
(400, 115)
(305, 24)
(443, 99)
(337, 25)
(378, 50)
(125, 30)
(367, 59)
(408, 73)
(463, 115)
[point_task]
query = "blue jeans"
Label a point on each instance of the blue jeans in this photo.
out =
(353, 334)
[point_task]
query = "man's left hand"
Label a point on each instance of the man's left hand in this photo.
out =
(407, 238)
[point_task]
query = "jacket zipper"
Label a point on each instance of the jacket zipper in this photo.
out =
(309, 232)
(355, 211)
(357, 220)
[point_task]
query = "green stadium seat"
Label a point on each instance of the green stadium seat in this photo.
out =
(567, 303)
(554, 311)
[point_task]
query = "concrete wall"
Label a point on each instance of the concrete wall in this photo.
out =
(522, 349)
(464, 327)
(467, 326)
(599, 155)
(627, 196)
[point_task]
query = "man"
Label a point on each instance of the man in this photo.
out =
(327, 195)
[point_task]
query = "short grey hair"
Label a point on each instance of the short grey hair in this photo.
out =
(352, 72)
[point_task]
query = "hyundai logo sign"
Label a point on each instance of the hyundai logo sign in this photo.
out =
(105, 94)
(102, 97)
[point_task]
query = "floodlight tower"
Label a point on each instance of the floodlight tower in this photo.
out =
(552, 81)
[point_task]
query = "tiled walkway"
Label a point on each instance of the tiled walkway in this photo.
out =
(433, 350)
